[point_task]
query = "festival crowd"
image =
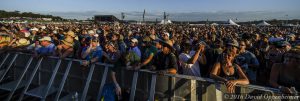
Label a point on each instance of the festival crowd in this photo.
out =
(267, 56)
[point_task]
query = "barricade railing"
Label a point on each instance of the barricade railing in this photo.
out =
(67, 77)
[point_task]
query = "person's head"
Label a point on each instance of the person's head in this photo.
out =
(45, 41)
(70, 34)
(242, 45)
(114, 37)
(147, 41)
(286, 46)
(256, 37)
(292, 37)
(91, 32)
(95, 42)
(229, 55)
(167, 47)
(84, 32)
(34, 30)
(157, 44)
(166, 36)
(292, 56)
(232, 45)
(218, 43)
(186, 46)
(133, 42)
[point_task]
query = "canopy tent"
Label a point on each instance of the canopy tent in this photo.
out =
(289, 25)
(165, 22)
(230, 23)
(215, 24)
(263, 23)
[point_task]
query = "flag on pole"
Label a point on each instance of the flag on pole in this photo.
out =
(165, 16)
(122, 15)
(144, 15)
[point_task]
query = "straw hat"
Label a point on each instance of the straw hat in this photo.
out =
(168, 43)
(71, 33)
(147, 39)
(68, 41)
(134, 40)
(233, 43)
(91, 32)
(22, 42)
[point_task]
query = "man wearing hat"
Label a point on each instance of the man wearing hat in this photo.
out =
(34, 36)
(113, 56)
(166, 37)
(91, 53)
(4, 39)
(47, 47)
(122, 45)
(150, 51)
(66, 48)
(133, 56)
(189, 60)
(134, 47)
(233, 45)
(165, 61)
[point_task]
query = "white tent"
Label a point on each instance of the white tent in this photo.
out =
(289, 25)
(165, 22)
(263, 23)
(214, 24)
(230, 22)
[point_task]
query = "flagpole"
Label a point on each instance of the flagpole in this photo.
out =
(144, 16)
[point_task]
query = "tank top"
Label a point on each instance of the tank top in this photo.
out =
(230, 77)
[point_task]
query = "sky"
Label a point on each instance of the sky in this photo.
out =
(193, 10)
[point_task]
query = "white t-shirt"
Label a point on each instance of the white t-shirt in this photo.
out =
(189, 69)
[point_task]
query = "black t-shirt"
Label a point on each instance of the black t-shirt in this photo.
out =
(165, 61)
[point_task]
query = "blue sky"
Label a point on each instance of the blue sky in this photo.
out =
(200, 9)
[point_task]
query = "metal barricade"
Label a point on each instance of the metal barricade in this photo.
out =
(59, 79)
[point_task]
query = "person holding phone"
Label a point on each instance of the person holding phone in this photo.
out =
(91, 53)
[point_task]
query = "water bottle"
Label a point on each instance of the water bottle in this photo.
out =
(75, 97)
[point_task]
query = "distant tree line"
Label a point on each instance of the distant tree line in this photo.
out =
(6, 14)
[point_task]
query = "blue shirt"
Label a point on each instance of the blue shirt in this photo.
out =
(136, 50)
(96, 53)
(46, 50)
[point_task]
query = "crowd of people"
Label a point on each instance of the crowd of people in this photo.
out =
(267, 56)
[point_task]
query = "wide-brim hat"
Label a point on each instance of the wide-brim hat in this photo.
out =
(22, 42)
(68, 41)
(71, 33)
(233, 43)
(134, 40)
(146, 39)
(168, 43)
